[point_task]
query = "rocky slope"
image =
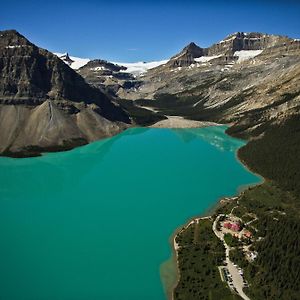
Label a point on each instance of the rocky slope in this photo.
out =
(247, 79)
(108, 76)
(45, 105)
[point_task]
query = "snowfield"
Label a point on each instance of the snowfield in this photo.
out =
(140, 67)
(134, 68)
(206, 58)
(14, 46)
(246, 54)
(78, 62)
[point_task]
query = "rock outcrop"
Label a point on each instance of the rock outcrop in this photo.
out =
(45, 105)
(107, 76)
(186, 56)
(66, 58)
(245, 41)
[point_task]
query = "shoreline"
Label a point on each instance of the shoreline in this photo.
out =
(177, 122)
(174, 256)
(206, 215)
(263, 179)
(173, 122)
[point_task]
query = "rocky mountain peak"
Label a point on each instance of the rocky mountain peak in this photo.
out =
(107, 76)
(186, 56)
(12, 39)
(100, 64)
(31, 75)
(66, 58)
(193, 49)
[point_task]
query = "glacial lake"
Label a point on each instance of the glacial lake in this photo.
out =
(95, 222)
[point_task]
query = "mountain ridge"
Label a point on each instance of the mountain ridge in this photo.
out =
(237, 35)
(31, 77)
(233, 48)
(227, 47)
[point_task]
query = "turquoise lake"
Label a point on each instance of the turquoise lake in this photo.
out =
(95, 222)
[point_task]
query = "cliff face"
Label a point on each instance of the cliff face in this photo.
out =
(43, 102)
(245, 41)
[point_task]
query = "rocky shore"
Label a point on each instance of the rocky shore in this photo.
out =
(180, 122)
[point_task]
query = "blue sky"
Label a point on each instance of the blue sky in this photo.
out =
(142, 30)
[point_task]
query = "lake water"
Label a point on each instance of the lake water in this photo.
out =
(95, 222)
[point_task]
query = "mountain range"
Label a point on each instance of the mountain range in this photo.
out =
(56, 101)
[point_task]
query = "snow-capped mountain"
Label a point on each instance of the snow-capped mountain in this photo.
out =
(252, 77)
(113, 77)
(193, 64)
(73, 61)
(139, 68)
(135, 68)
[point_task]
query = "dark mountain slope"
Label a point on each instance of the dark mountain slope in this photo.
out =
(44, 103)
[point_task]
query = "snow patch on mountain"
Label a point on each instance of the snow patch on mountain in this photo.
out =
(99, 68)
(204, 59)
(228, 39)
(246, 54)
(134, 68)
(77, 61)
(140, 67)
(13, 46)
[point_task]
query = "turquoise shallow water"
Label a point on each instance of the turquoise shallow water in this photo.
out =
(94, 222)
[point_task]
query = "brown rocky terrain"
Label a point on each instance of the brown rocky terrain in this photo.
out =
(107, 76)
(45, 105)
(246, 87)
